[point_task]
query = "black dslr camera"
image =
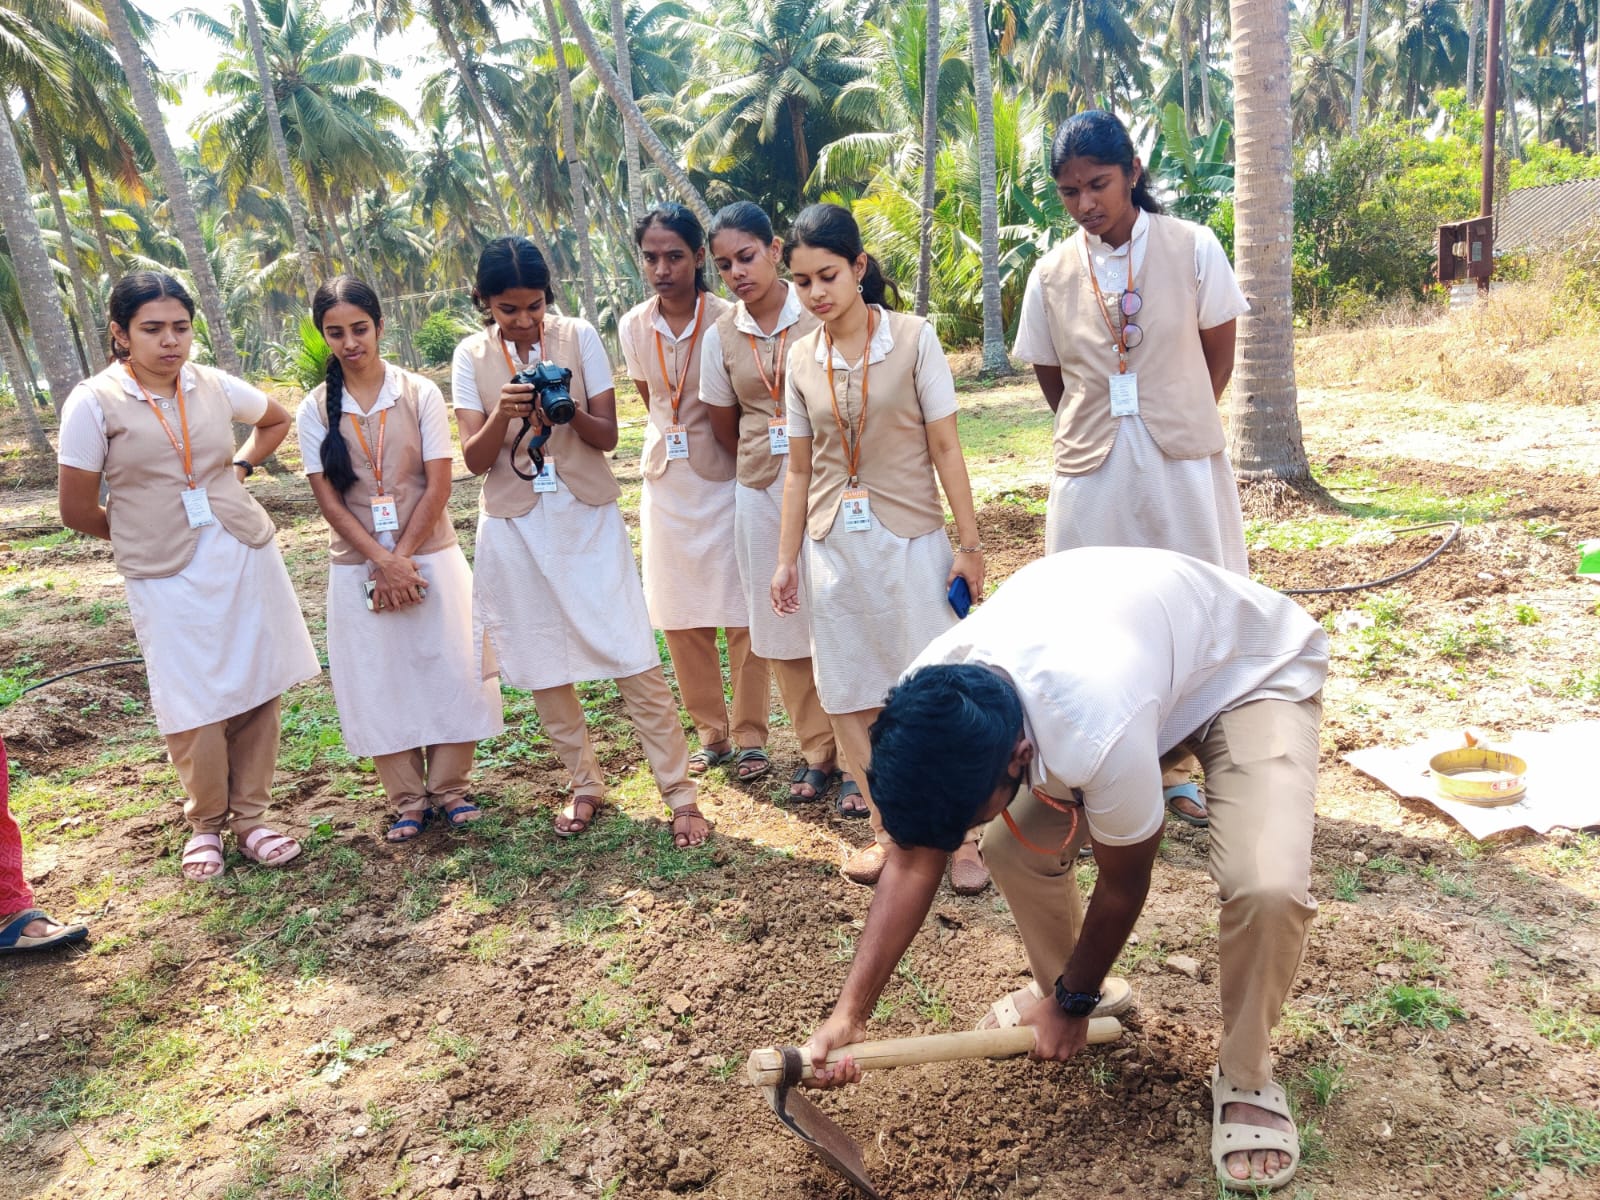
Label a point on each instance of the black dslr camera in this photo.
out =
(550, 385)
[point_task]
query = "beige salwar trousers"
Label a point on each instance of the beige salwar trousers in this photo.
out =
(699, 670)
(1260, 762)
(797, 687)
(426, 776)
(226, 769)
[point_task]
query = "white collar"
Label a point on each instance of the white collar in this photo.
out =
(511, 349)
(791, 313)
(130, 385)
(1141, 226)
(659, 323)
(388, 394)
(882, 344)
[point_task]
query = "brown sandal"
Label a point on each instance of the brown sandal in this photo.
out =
(682, 838)
(576, 822)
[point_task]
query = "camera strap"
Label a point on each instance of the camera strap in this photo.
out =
(536, 443)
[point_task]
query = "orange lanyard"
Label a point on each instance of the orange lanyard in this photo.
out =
(1073, 809)
(185, 451)
(511, 364)
(1116, 331)
(774, 383)
(375, 459)
(675, 389)
(852, 438)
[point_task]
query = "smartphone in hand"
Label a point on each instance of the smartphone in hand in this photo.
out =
(960, 596)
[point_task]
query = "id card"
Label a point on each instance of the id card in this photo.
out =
(677, 442)
(778, 435)
(1125, 395)
(196, 507)
(385, 515)
(857, 510)
(545, 480)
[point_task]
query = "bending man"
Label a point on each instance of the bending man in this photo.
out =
(1077, 678)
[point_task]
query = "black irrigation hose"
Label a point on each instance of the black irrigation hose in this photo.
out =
(1455, 531)
(121, 662)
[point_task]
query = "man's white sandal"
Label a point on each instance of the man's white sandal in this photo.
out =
(1234, 1138)
(1116, 998)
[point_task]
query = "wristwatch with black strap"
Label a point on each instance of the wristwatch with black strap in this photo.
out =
(1075, 1004)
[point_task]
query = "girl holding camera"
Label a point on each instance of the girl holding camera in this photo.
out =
(743, 364)
(555, 586)
(872, 420)
(212, 606)
(407, 669)
(686, 508)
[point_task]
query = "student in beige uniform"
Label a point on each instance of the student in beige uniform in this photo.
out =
(872, 419)
(686, 507)
(1078, 693)
(555, 585)
(742, 373)
(212, 606)
(1132, 354)
(375, 446)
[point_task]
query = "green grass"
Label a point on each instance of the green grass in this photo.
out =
(1404, 1004)
(1425, 958)
(1564, 1136)
(1566, 1027)
(1347, 884)
(932, 1004)
(458, 1044)
(1324, 1080)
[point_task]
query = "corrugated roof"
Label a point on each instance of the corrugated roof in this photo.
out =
(1547, 218)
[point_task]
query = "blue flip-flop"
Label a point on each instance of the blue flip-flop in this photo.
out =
(451, 816)
(1187, 791)
(14, 941)
(405, 823)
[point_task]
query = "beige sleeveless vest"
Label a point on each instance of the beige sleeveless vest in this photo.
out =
(150, 534)
(1175, 397)
(708, 459)
(404, 476)
(758, 467)
(582, 468)
(895, 466)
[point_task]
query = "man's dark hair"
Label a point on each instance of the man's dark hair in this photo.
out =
(940, 748)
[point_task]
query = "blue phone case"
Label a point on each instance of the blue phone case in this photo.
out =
(960, 597)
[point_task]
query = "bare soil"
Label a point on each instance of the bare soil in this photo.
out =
(531, 1018)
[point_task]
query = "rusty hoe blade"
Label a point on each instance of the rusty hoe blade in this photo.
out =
(808, 1123)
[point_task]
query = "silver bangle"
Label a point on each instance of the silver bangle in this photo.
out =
(978, 549)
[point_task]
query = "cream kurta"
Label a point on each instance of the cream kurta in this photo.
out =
(691, 573)
(1139, 496)
(223, 635)
(557, 591)
(419, 675)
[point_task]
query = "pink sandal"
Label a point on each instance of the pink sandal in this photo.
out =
(268, 847)
(203, 850)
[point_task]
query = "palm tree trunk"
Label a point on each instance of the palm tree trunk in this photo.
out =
(443, 29)
(102, 238)
(631, 114)
(1205, 66)
(930, 154)
(1361, 70)
(185, 220)
(1508, 92)
(83, 313)
(489, 184)
(330, 223)
(41, 299)
(1183, 72)
(280, 148)
(630, 139)
(994, 346)
(575, 169)
(1264, 435)
(1583, 93)
(1474, 32)
(22, 390)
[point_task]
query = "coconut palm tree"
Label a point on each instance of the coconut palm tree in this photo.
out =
(181, 205)
(575, 167)
(280, 147)
(995, 361)
(930, 152)
(1081, 49)
(26, 54)
(1264, 429)
(19, 373)
(620, 39)
(629, 110)
(1429, 46)
(1323, 75)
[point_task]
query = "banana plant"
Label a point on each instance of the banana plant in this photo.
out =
(1197, 173)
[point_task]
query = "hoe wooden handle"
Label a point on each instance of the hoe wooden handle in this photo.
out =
(765, 1066)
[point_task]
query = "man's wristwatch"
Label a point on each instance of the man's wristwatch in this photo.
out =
(249, 467)
(1075, 1004)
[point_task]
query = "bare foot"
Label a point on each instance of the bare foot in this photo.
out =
(1255, 1164)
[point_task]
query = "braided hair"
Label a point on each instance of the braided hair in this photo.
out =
(337, 468)
(831, 227)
